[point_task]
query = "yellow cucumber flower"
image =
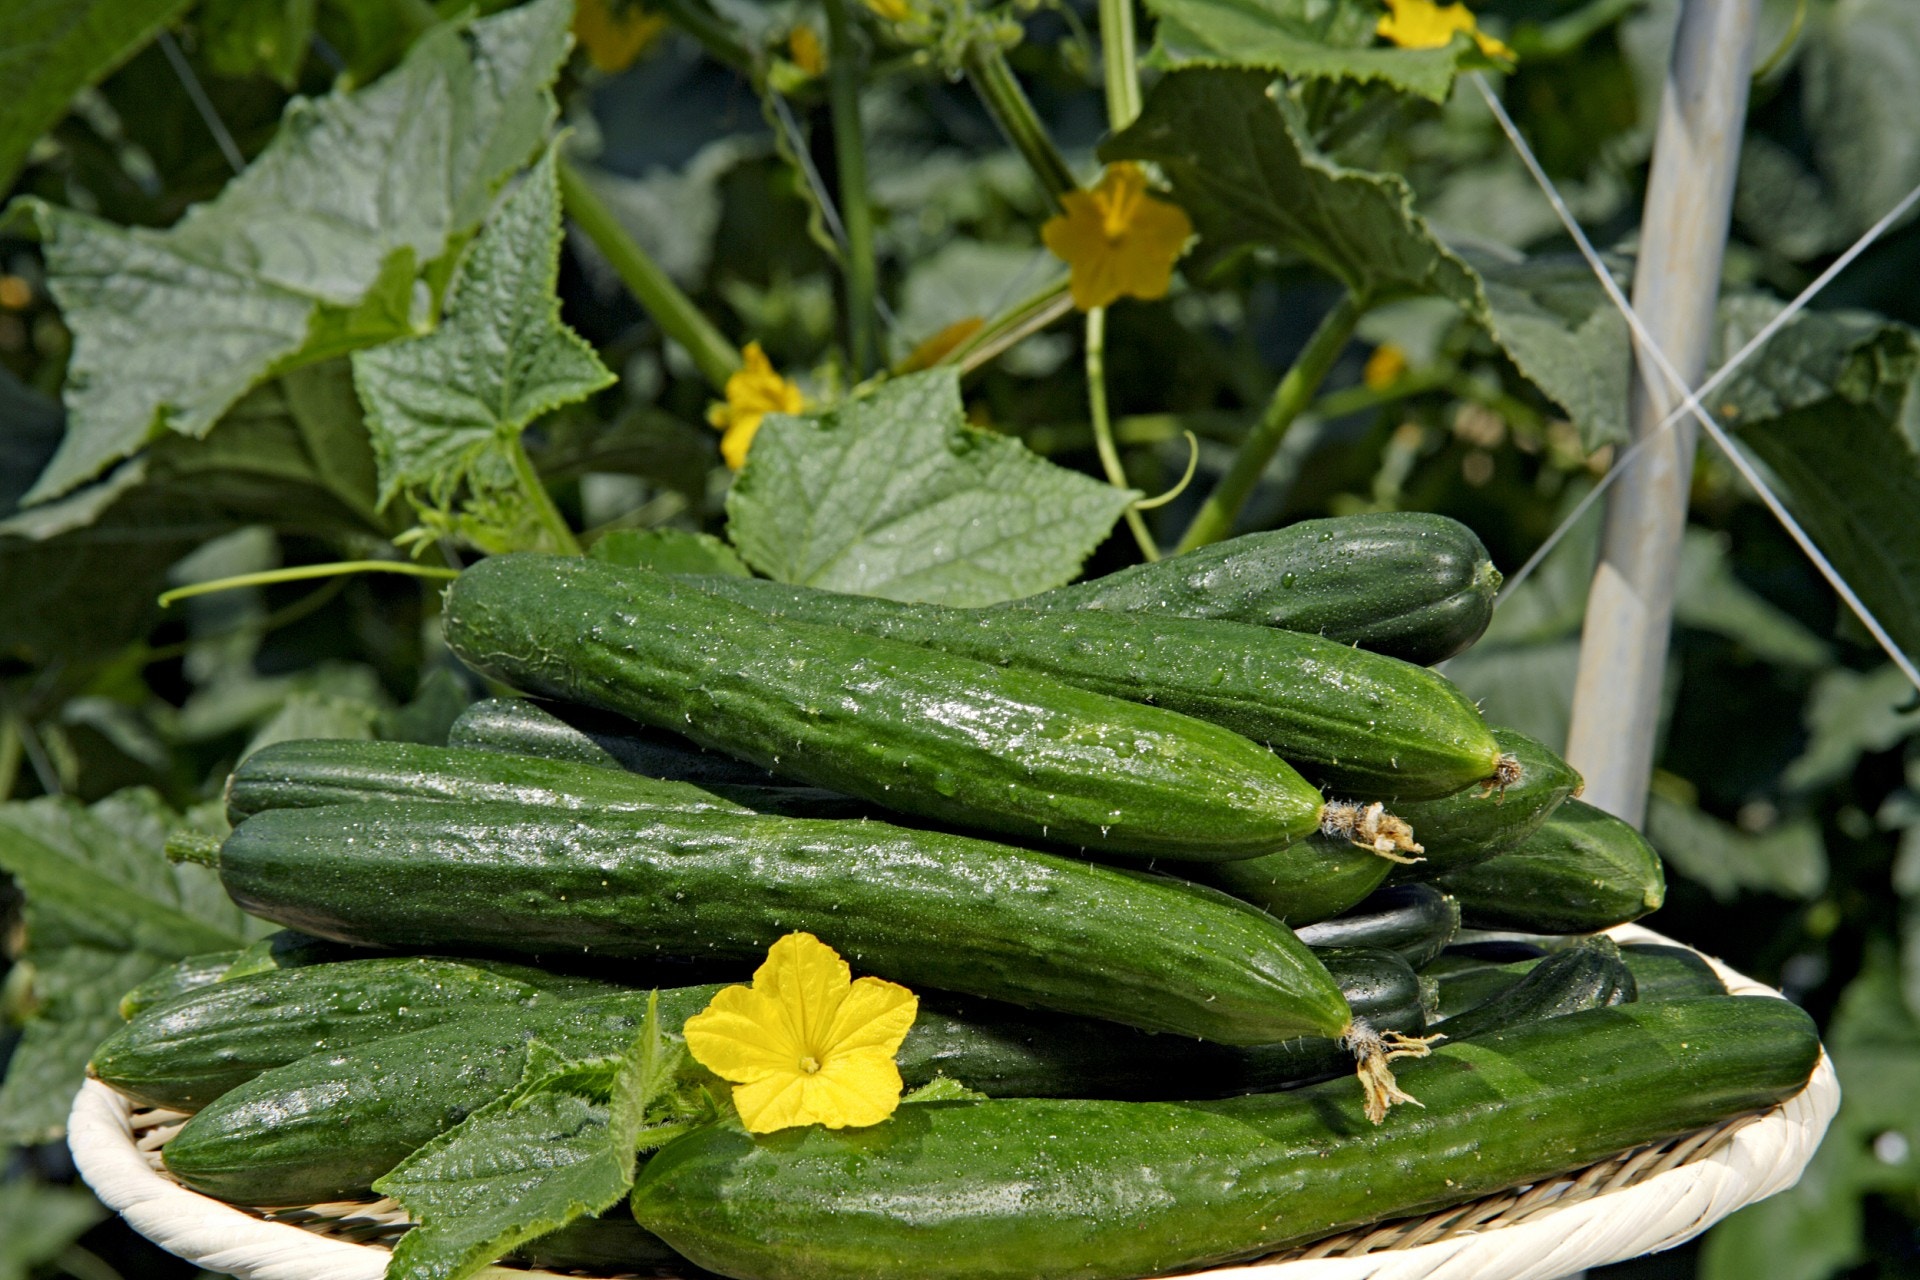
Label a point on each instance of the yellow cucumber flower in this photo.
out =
(1119, 239)
(754, 390)
(1422, 24)
(891, 10)
(805, 51)
(614, 38)
(805, 1044)
(1386, 366)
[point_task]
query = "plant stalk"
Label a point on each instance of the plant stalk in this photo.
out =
(1119, 59)
(672, 310)
(302, 573)
(1296, 391)
(1008, 104)
(713, 33)
(1103, 427)
(846, 64)
(550, 517)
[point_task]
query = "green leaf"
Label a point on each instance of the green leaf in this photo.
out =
(894, 495)
(50, 52)
(436, 704)
(670, 551)
(943, 1089)
(243, 37)
(1710, 598)
(1556, 324)
(500, 359)
(1790, 860)
(1859, 68)
(76, 991)
(1306, 38)
(1848, 715)
(38, 1220)
(1240, 165)
(559, 1148)
(312, 250)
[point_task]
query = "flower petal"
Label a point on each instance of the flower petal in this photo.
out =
(809, 981)
(778, 1102)
(743, 1036)
(875, 1016)
(852, 1090)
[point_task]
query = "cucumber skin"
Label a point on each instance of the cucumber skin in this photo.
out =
(920, 907)
(1589, 975)
(194, 1049)
(1315, 880)
(1659, 973)
(1470, 826)
(1039, 1190)
(554, 731)
(326, 1126)
(176, 980)
(1371, 726)
(912, 730)
(1582, 871)
(1417, 921)
(1415, 586)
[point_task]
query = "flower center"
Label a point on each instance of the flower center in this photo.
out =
(810, 1064)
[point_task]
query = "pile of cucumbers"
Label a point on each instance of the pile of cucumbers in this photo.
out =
(1166, 855)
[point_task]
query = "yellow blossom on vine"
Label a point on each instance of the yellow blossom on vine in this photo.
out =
(805, 1044)
(1422, 24)
(1386, 366)
(1119, 239)
(891, 10)
(805, 51)
(612, 37)
(754, 390)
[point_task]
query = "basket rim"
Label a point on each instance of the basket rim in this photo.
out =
(1757, 1160)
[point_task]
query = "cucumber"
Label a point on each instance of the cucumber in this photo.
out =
(557, 731)
(1470, 826)
(1589, 975)
(1034, 1189)
(1659, 973)
(920, 907)
(188, 1053)
(1411, 585)
(1416, 921)
(1370, 726)
(305, 773)
(1582, 871)
(1316, 879)
(326, 1126)
(176, 980)
(912, 730)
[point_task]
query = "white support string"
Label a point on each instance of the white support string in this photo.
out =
(1651, 350)
(197, 94)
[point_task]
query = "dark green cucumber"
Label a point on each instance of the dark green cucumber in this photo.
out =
(326, 1126)
(557, 731)
(1367, 725)
(1470, 826)
(1416, 921)
(307, 772)
(199, 1046)
(1314, 880)
(1416, 586)
(920, 907)
(910, 729)
(1582, 871)
(176, 980)
(284, 949)
(1592, 974)
(1659, 973)
(1050, 1190)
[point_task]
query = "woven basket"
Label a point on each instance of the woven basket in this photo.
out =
(1640, 1201)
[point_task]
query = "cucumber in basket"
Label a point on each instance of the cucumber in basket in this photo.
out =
(197, 1047)
(1047, 1190)
(1318, 878)
(1470, 826)
(556, 731)
(1412, 585)
(1591, 974)
(920, 907)
(1415, 920)
(1582, 871)
(326, 1126)
(1660, 972)
(913, 730)
(1364, 724)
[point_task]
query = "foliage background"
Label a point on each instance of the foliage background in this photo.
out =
(1788, 796)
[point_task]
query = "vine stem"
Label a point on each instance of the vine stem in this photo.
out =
(1103, 427)
(1007, 103)
(845, 66)
(10, 753)
(556, 524)
(672, 310)
(1118, 56)
(1296, 391)
(302, 573)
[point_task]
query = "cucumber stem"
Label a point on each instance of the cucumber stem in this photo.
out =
(1373, 1051)
(1103, 429)
(846, 64)
(1012, 110)
(193, 846)
(1370, 827)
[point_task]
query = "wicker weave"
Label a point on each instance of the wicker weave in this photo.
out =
(1637, 1202)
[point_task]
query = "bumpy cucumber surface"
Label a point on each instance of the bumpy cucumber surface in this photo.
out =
(1373, 727)
(556, 731)
(1472, 825)
(1583, 870)
(307, 772)
(910, 729)
(327, 1125)
(199, 1046)
(920, 907)
(1591, 974)
(1416, 586)
(176, 980)
(1045, 1190)
(1659, 973)
(1314, 880)
(1415, 920)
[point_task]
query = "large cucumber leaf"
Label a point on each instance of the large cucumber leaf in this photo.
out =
(894, 495)
(311, 252)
